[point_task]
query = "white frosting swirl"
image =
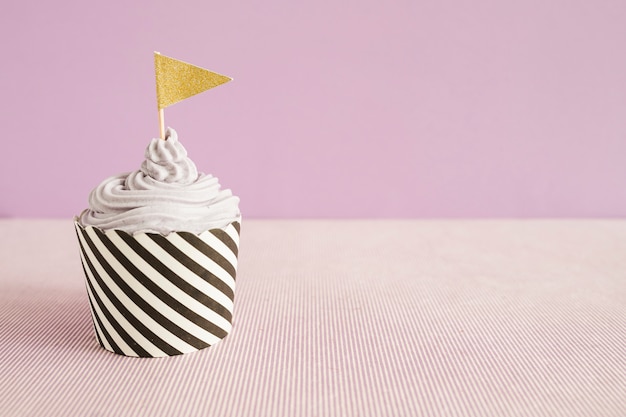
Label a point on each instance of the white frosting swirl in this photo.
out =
(167, 194)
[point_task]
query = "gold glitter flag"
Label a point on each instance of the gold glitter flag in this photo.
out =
(177, 80)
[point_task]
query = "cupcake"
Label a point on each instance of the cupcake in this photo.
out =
(159, 250)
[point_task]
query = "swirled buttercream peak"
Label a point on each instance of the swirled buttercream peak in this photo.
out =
(166, 194)
(167, 161)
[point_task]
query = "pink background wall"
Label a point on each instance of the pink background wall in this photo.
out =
(338, 108)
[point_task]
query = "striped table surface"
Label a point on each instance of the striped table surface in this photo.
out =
(342, 318)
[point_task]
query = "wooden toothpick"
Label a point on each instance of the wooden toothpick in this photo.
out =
(162, 123)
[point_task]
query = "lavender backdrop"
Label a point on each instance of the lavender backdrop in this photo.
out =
(338, 108)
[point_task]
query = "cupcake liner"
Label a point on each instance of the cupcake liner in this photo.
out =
(152, 295)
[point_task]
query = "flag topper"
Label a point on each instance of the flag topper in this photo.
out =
(177, 80)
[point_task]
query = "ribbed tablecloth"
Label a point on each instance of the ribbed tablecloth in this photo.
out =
(343, 318)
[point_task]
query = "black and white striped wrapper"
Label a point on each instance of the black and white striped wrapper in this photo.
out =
(152, 295)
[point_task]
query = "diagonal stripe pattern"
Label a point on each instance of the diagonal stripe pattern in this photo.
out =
(152, 295)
